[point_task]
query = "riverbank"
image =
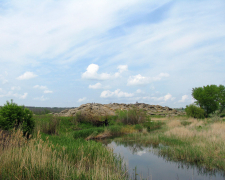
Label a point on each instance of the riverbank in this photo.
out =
(61, 147)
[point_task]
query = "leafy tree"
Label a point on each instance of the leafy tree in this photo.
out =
(210, 98)
(14, 116)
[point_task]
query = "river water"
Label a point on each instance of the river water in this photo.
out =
(145, 163)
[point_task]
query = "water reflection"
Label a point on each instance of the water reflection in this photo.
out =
(145, 161)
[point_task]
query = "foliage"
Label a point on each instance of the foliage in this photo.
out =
(138, 127)
(210, 98)
(132, 116)
(195, 112)
(115, 130)
(14, 116)
(52, 126)
(87, 132)
(153, 125)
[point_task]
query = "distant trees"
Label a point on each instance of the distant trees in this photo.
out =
(210, 98)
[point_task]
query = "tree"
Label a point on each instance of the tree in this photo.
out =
(14, 116)
(210, 98)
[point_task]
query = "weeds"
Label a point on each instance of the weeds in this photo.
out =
(132, 116)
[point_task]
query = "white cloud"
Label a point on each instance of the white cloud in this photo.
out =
(141, 80)
(44, 88)
(92, 73)
(116, 93)
(42, 98)
(23, 96)
(184, 98)
(95, 86)
(98, 86)
(16, 88)
(167, 97)
(82, 99)
(27, 75)
(121, 69)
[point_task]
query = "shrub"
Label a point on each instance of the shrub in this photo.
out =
(132, 116)
(14, 116)
(195, 112)
(222, 115)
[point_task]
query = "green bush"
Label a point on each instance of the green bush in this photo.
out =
(222, 115)
(87, 132)
(195, 112)
(14, 116)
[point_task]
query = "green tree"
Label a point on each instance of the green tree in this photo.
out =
(210, 98)
(14, 116)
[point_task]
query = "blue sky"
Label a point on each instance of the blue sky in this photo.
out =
(71, 52)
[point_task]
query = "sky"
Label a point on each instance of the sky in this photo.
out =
(64, 53)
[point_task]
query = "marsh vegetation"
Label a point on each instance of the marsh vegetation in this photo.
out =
(65, 147)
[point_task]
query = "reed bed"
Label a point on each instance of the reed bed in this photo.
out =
(36, 158)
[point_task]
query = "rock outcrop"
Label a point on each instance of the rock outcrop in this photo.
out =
(96, 109)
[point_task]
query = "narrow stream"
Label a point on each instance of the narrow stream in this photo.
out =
(145, 163)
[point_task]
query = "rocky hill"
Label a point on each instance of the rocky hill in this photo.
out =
(96, 109)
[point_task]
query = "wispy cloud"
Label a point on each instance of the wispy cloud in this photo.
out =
(98, 86)
(165, 98)
(16, 88)
(116, 93)
(27, 75)
(44, 88)
(42, 98)
(141, 80)
(16, 95)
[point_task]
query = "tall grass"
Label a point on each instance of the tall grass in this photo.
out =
(132, 116)
(199, 142)
(56, 158)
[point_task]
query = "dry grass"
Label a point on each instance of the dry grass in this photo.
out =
(38, 159)
(173, 123)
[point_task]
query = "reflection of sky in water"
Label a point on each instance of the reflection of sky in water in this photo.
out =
(153, 167)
